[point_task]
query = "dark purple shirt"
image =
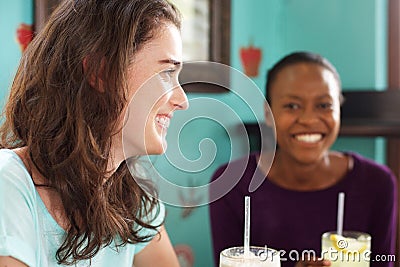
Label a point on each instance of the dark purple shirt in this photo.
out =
(294, 221)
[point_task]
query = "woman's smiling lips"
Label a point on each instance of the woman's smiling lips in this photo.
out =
(309, 138)
(163, 120)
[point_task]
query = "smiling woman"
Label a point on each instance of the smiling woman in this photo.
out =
(299, 190)
(90, 93)
(154, 99)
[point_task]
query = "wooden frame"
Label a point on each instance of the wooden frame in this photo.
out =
(42, 10)
(219, 46)
(393, 143)
(220, 13)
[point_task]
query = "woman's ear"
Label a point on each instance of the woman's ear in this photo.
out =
(94, 78)
(269, 118)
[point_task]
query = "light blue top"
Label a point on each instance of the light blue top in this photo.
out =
(30, 234)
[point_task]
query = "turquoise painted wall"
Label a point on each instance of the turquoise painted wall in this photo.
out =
(12, 13)
(352, 34)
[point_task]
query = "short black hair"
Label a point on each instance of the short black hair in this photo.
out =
(294, 58)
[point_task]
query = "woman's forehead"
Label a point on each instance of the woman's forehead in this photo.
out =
(307, 79)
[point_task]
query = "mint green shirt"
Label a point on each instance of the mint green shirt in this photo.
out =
(30, 234)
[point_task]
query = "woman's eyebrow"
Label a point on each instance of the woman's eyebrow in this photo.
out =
(171, 61)
(325, 96)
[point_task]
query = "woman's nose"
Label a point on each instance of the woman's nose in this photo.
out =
(308, 116)
(179, 98)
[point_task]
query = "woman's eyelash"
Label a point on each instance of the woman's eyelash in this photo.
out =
(291, 105)
(325, 105)
(170, 71)
(168, 74)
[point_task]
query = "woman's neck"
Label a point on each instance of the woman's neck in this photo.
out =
(291, 174)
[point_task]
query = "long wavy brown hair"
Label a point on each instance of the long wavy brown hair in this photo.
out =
(67, 125)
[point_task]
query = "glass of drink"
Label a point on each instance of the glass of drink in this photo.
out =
(258, 257)
(351, 249)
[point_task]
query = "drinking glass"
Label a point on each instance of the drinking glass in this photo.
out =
(351, 249)
(258, 257)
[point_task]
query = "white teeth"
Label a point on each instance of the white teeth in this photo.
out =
(309, 138)
(163, 121)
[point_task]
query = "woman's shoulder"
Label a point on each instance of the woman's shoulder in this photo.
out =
(242, 161)
(237, 166)
(370, 170)
(13, 171)
(6, 153)
(367, 163)
(9, 160)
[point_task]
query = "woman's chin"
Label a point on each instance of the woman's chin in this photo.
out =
(159, 149)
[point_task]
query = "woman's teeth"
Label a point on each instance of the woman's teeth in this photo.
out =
(309, 138)
(163, 121)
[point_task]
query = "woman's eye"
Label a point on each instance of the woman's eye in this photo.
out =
(325, 105)
(167, 75)
(292, 106)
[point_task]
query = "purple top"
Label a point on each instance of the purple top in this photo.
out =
(293, 220)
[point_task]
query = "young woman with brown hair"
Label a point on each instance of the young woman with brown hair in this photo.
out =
(67, 196)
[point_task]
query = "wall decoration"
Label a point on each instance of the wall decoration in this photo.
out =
(189, 201)
(24, 35)
(185, 255)
(251, 58)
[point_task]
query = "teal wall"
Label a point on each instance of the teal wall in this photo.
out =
(12, 13)
(352, 34)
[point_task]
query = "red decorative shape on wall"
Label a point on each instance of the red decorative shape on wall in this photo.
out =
(24, 35)
(251, 59)
(185, 255)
